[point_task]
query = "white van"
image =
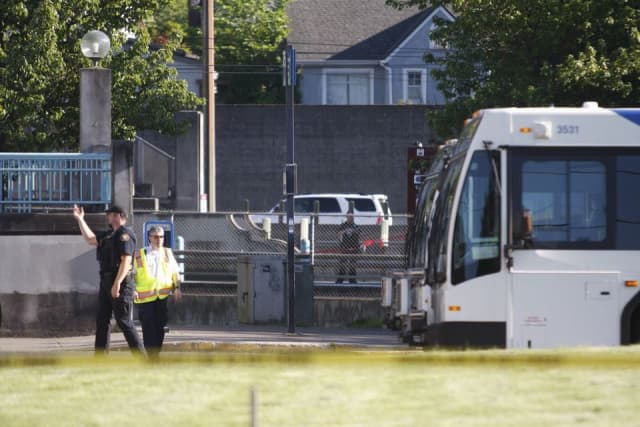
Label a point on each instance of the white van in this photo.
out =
(368, 209)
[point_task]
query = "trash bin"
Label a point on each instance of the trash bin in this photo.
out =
(303, 271)
(261, 290)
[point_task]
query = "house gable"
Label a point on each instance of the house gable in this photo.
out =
(409, 77)
(336, 40)
(421, 31)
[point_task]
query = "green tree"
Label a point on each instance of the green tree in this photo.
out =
(249, 37)
(535, 52)
(40, 60)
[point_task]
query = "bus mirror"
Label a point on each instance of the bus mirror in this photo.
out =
(524, 230)
(526, 223)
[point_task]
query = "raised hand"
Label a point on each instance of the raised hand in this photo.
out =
(78, 212)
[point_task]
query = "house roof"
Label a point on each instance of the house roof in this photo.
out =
(349, 29)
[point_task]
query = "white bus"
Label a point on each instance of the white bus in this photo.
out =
(527, 233)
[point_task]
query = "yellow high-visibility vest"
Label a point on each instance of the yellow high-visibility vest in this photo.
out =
(148, 287)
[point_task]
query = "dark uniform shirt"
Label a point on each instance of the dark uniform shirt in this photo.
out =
(350, 241)
(112, 245)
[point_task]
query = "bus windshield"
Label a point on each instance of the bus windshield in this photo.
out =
(476, 236)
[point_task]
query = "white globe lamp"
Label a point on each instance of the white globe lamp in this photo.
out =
(95, 45)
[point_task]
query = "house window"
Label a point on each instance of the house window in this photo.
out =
(348, 88)
(415, 89)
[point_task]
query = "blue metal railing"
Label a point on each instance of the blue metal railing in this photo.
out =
(37, 181)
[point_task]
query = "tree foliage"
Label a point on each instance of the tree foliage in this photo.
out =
(40, 60)
(535, 52)
(248, 44)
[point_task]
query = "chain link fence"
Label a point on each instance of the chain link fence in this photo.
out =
(212, 243)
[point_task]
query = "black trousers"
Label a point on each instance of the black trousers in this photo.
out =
(347, 267)
(153, 316)
(121, 308)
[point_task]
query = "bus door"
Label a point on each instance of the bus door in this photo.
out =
(562, 288)
(476, 297)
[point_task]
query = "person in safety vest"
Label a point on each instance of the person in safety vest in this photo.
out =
(115, 251)
(157, 277)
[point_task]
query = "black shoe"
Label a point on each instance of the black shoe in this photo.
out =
(339, 281)
(353, 281)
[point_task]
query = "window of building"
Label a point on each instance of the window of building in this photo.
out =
(415, 88)
(348, 87)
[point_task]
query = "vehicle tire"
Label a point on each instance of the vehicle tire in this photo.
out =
(634, 328)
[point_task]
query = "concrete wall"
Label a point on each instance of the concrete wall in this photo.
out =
(48, 285)
(122, 175)
(44, 264)
(220, 311)
(338, 149)
(153, 167)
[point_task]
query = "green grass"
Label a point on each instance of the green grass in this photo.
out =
(581, 387)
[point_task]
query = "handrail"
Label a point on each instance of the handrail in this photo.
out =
(31, 181)
(153, 147)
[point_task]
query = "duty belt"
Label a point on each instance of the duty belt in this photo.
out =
(113, 273)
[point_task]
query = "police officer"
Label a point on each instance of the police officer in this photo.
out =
(115, 251)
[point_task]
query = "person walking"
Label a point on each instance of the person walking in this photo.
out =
(349, 235)
(156, 276)
(115, 251)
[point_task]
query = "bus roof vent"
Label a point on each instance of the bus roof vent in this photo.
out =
(589, 104)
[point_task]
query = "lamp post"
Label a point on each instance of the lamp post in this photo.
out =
(95, 95)
(95, 45)
(95, 122)
(289, 82)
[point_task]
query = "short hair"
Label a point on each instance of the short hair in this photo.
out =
(117, 209)
(156, 229)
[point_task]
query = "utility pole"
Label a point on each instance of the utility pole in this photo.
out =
(289, 83)
(210, 95)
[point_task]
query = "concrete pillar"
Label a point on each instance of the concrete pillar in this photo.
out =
(95, 109)
(122, 176)
(190, 160)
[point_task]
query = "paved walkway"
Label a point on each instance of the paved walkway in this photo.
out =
(250, 335)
